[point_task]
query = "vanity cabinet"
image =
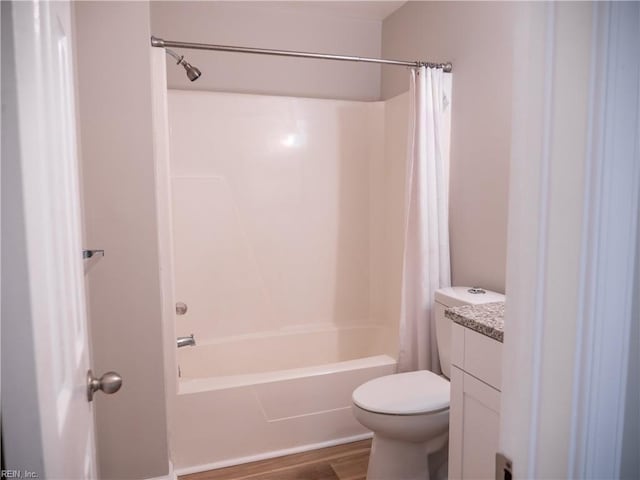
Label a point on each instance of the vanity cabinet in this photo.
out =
(474, 420)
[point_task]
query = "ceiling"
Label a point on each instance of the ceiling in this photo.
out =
(365, 10)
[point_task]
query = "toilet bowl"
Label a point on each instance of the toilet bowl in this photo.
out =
(409, 412)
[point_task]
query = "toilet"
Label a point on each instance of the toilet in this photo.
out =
(409, 412)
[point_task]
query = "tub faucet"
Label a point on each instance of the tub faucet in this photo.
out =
(189, 341)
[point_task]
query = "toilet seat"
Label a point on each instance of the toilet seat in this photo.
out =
(411, 393)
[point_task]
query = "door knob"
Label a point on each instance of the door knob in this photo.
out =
(109, 383)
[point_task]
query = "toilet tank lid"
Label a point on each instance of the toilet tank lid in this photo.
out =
(457, 296)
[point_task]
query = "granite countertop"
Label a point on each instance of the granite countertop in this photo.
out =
(486, 318)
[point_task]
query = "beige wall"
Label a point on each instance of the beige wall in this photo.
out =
(477, 38)
(114, 81)
(275, 25)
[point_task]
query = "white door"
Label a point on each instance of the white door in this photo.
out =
(568, 407)
(54, 292)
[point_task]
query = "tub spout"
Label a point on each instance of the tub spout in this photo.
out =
(189, 341)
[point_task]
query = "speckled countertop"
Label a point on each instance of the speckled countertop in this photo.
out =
(486, 318)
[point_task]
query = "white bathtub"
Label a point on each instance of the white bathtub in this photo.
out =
(252, 397)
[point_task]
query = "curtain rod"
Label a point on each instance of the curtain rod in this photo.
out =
(160, 43)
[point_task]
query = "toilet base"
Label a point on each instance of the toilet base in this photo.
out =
(402, 460)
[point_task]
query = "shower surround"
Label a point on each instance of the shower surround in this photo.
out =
(271, 211)
(285, 221)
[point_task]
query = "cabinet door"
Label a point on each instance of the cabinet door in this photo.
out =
(474, 427)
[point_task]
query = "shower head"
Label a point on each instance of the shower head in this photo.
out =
(192, 72)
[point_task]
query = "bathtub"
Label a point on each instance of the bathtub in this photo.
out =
(252, 397)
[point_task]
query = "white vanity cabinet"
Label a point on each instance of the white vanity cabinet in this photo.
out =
(474, 420)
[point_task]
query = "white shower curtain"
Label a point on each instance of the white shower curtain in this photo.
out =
(426, 265)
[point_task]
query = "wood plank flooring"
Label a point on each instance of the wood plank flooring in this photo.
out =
(342, 462)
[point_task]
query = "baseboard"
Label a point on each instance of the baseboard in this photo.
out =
(268, 455)
(171, 475)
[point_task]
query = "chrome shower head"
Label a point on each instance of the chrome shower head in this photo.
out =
(192, 72)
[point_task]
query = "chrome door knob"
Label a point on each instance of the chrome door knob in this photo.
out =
(109, 383)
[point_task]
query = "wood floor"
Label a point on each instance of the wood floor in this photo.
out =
(342, 462)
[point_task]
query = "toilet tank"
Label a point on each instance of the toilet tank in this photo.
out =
(455, 297)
